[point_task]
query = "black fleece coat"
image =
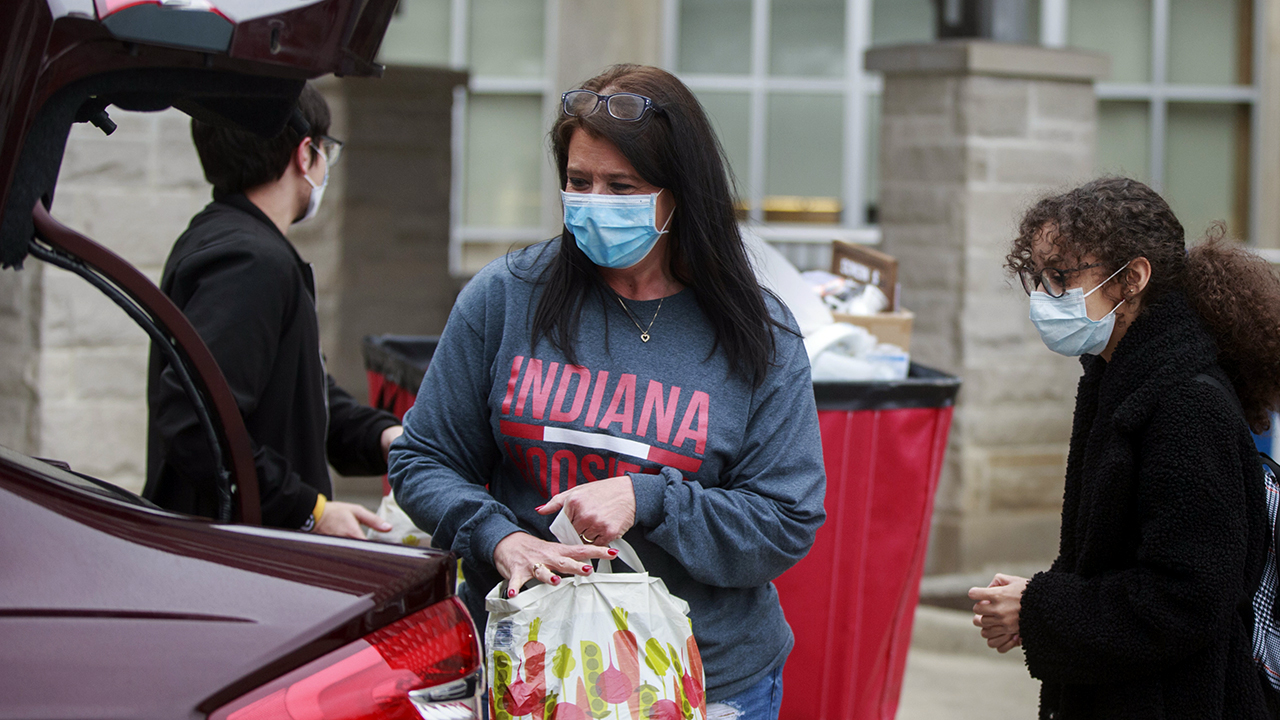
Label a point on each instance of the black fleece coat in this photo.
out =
(1147, 612)
(252, 300)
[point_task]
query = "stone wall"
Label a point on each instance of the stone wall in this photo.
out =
(389, 268)
(19, 345)
(133, 192)
(971, 134)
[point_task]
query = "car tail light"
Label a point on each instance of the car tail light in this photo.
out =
(426, 665)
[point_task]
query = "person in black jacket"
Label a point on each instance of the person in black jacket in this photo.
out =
(252, 300)
(1147, 611)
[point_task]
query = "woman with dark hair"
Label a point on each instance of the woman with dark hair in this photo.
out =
(633, 373)
(1147, 611)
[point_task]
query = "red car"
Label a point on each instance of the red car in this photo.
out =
(109, 606)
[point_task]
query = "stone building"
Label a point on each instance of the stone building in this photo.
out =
(970, 132)
(841, 119)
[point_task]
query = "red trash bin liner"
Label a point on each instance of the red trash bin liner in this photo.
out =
(394, 365)
(852, 599)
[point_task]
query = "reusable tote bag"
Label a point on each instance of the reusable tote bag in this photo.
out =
(606, 645)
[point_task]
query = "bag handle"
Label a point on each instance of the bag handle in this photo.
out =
(564, 531)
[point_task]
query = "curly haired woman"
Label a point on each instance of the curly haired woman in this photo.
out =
(1147, 611)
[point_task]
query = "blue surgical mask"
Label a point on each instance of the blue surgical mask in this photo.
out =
(1065, 325)
(615, 231)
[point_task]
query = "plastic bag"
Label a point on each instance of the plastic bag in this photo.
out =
(847, 353)
(403, 531)
(601, 646)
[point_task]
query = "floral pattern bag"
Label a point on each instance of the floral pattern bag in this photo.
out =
(607, 645)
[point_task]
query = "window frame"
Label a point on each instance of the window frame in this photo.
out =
(461, 233)
(856, 87)
(1159, 92)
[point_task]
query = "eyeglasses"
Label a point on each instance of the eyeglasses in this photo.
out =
(623, 106)
(329, 147)
(1053, 280)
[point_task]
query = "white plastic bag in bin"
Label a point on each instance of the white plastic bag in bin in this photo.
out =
(847, 353)
(837, 351)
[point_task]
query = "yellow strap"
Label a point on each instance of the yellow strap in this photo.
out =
(320, 501)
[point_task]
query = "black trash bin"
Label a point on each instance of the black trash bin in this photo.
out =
(394, 365)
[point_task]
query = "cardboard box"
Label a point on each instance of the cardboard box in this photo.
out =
(888, 327)
(876, 268)
(867, 266)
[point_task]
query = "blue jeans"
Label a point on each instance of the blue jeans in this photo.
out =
(758, 702)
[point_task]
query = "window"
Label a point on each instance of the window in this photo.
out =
(781, 79)
(1178, 109)
(798, 116)
(503, 184)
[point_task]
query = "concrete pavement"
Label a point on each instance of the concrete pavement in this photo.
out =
(955, 686)
(953, 675)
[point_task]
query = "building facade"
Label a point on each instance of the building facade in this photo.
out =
(799, 115)
(448, 167)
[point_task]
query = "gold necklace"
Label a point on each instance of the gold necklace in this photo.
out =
(644, 332)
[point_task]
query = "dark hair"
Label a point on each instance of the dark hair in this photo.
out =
(236, 160)
(1235, 292)
(672, 147)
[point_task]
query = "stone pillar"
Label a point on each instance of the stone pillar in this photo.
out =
(973, 132)
(1265, 230)
(594, 35)
(381, 243)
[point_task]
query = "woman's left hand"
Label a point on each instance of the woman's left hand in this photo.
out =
(998, 609)
(601, 511)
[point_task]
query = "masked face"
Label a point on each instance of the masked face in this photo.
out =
(612, 212)
(317, 191)
(317, 194)
(1064, 323)
(615, 231)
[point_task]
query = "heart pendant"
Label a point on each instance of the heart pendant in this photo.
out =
(644, 337)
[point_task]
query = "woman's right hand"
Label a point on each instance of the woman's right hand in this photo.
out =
(521, 557)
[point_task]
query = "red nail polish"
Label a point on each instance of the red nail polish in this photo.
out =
(555, 579)
(539, 507)
(511, 593)
(612, 552)
(586, 569)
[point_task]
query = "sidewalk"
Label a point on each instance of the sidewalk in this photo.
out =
(953, 675)
(965, 687)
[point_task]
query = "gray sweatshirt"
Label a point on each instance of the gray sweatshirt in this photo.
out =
(728, 477)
